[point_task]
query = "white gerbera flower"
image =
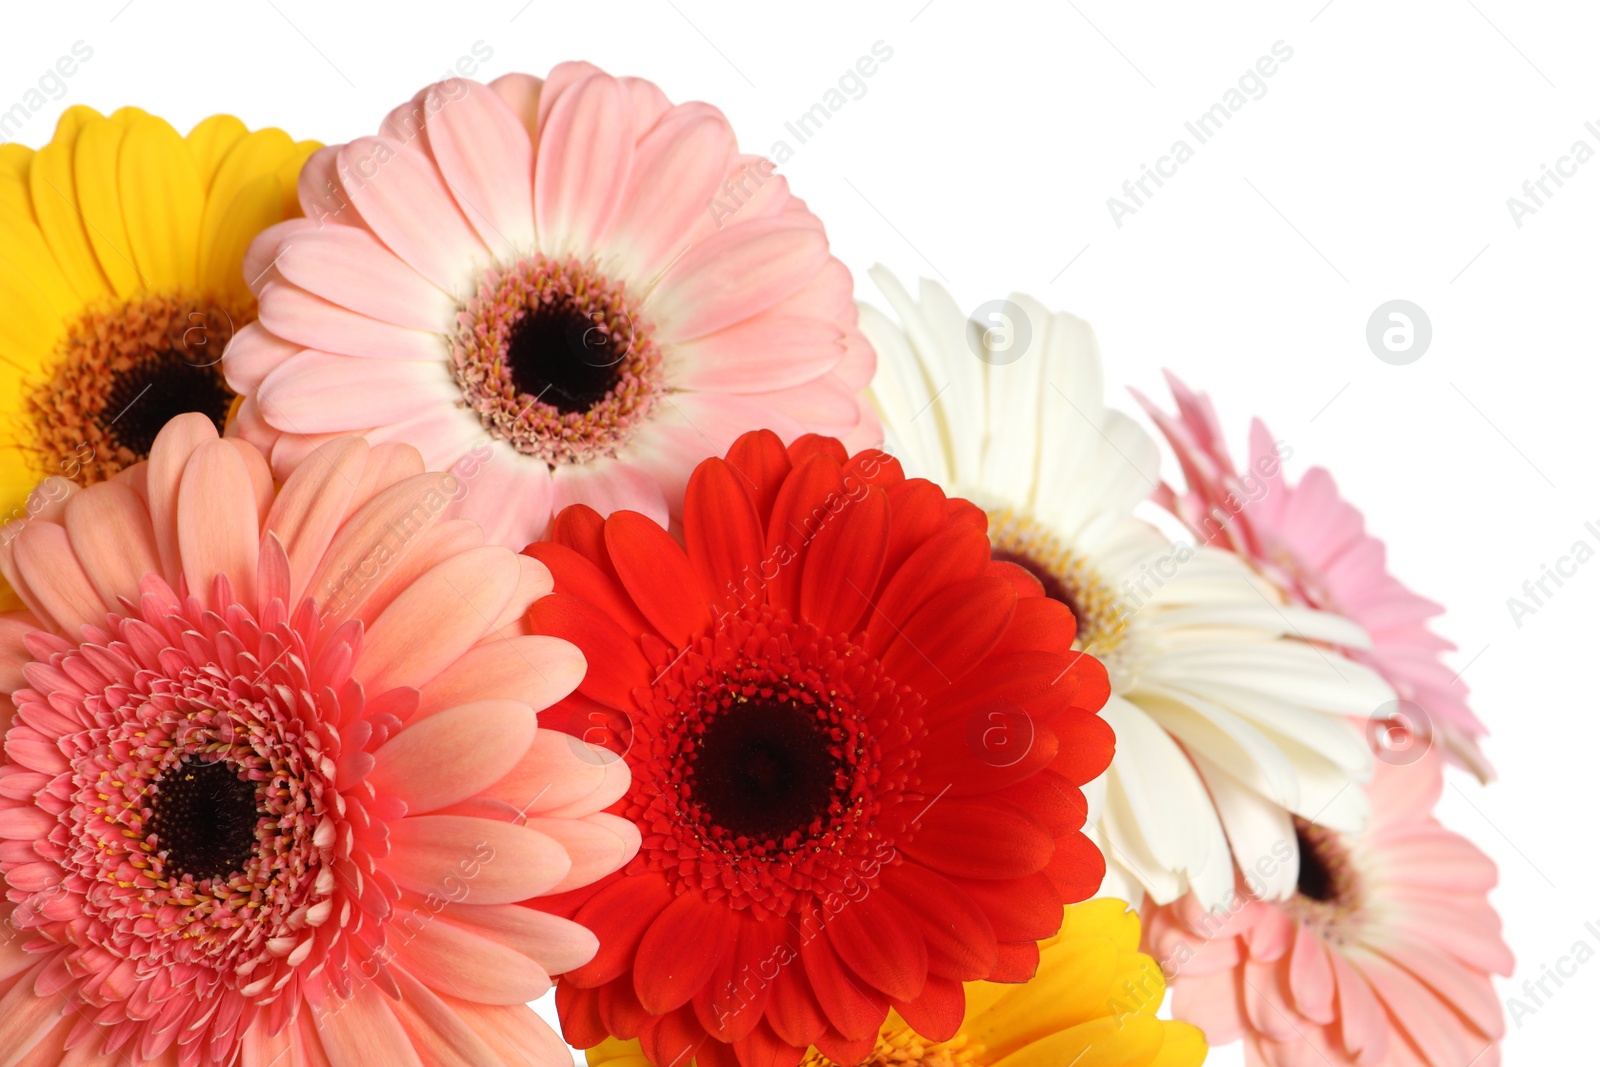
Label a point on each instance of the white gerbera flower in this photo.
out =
(1232, 708)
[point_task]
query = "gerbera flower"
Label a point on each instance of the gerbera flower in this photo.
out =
(1382, 955)
(1093, 1004)
(273, 783)
(1230, 717)
(575, 275)
(1314, 545)
(857, 746)
(121, 281)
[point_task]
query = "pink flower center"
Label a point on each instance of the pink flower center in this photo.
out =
(555, 360)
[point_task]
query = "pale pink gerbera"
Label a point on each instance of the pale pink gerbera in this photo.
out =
(1313, 544)
(273, 784)
(571, 291)
(1382, 956)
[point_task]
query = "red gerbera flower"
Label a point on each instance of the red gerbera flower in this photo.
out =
(857, 744)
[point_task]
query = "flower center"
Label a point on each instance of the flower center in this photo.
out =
(764, 770)
(553, 359)
(778, 763)
(204, 818)
(121, 374)
(900, 1047)
(1069, 577)
(1327, 889)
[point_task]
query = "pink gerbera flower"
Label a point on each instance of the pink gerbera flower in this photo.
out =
(573, 288)
(1382, 956)
(1313, 544)
(273, 786)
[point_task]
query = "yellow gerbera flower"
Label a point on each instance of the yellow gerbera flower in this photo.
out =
(1092, 1004)
(121, 246)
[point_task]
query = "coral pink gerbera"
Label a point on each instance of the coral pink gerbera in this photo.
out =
(1382, 956)
(1313, 544)
(858, 746)
(575, 279)
(274, 787)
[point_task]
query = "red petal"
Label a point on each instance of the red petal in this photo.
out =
(731, 1004)
(575, 575)
(763, 1048)
(950, 634)
(1057, 804)
(1087, 744)
(679, 952)
(937, 1014)
(621, 1011)
(674, 1039)
(1077, 868)
(965, 513)
(1018, 963)
(882, 942)
(1021, 909)
(999, 745)
(841, 1049)
(619, 915)
(876, 467)
(960, 939)
(812, 444)
(579, 1009)
(582, 529)
(917, 510)
(616, 666)
(980, 837)
(810, 496)
(760, 456)
(657, 574)
(842, 568)
(725, 539)
(852, 1010)
(1030, 680)
(793, 1011)
(1040, 624)
(957, 554)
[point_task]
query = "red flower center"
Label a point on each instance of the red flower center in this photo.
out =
(774, 759)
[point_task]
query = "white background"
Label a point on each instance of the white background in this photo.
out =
(1376, 166)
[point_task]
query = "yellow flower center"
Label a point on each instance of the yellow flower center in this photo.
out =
(899, 1047)
(123, 371)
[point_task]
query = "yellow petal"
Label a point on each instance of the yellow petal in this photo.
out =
(1131, 1042)
(58, 211)
(15, 198)
(211, 141)
(245, 199)
(162, 204)
(1075, 988)
(1182, 1045)
(95, 168)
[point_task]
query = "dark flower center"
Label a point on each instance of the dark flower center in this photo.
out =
(560, 355)
(764, 770)
(1315, 881)
(144, 397)
(204, 818)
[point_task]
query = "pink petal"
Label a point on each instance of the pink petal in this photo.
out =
(677, 169)
(254, 353)
(50, 570)
(311, 393)
(609, 485)
(438, 618)
(735, 274)
(585, 155)
(758, 355)
(313, 503)
(111, 536)
(486, 159)
(455, 754)
(457, 961)
(304, 319)
(363, 1031)
(502, 862)
(506, 493)
(538, 669)
(169, 457)
(558, 945)
(348, 266)
(403, 200)
(598, 844)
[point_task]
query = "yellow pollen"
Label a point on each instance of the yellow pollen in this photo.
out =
(898, 1046)
(1066, 575)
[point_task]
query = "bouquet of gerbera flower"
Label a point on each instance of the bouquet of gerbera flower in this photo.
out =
(460, 562)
